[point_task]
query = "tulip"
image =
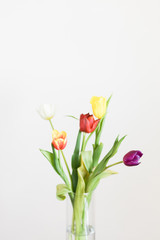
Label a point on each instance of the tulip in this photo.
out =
(98, 106)
(46, 111)
(132, 158)
(88, 123)
(59, 139)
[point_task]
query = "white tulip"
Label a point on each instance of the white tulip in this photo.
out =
(46, 111)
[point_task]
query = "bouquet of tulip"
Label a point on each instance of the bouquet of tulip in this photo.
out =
(87, 167)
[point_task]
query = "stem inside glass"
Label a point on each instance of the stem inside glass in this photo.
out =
(80, 217)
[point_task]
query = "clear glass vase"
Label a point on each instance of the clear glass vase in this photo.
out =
(80, 217)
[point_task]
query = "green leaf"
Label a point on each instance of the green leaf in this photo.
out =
(74, 179)
(108, 101)
(76, 162)
(56, 164)
(50, 158)
(101, 166)
(97, 153)
(87, 159)
(81, 183)
(75, 157)
(72, 117)
(93, 183)
(79, 199)
(101, 124)
(62, 191)
(59, 167)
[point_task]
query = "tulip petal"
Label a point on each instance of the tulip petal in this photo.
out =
(140, 154)
(95, 124)
(91, 120)
(84, 125)
(55, 144)
(130, 155)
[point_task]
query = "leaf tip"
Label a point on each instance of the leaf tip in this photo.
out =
(71, 117)
(123, 137)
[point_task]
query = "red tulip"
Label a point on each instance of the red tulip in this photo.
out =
(87, 123)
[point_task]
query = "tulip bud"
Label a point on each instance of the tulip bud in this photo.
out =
(132, 158)
(46, 111)
(98, 106)
(88, 123)
(59, 141)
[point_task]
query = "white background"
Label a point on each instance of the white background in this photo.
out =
(63, 52)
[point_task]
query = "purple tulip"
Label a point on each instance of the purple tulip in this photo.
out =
(132, 158)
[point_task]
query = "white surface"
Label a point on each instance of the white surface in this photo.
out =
(64, 52)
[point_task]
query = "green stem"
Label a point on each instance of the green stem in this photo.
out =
(59, 155)
(114, 164)
(90, 135)
(83, 142)
(51, 124)
(66, 166)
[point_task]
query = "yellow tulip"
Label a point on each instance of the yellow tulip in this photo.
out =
(98, 106)
(59, 139)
